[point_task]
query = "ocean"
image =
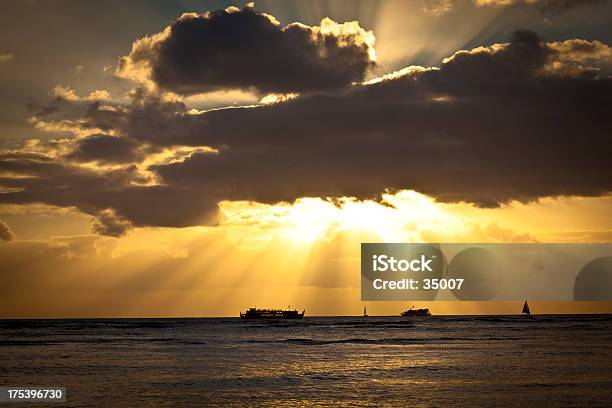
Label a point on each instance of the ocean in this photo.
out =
(454, 361)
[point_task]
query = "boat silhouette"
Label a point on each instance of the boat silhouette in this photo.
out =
(255, 313)
(526, 312)
(412, 312)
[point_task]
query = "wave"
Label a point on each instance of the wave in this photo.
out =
(389, 341)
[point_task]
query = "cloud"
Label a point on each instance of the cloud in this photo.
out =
(460, 133)
(490, 125)
(106, 149)
(68, 94)
(5, 232)
(504, 234)
(575, 57)
(437, 7)
(94, 191)
(549, 7)
(110, 224)
(244, 49)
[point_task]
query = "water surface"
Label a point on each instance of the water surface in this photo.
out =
(556, 361)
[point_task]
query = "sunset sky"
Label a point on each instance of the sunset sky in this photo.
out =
(195, 158)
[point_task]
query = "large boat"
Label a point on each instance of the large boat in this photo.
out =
(416, 312)
(254, 313)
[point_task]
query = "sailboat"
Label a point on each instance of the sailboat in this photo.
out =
(365, 313)
(526, 311)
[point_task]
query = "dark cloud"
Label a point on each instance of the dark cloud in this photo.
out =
(246, 49)
(104, 148)
(5, 232)
(491, 125)
(113, 196)
(516, 121)
(110, 224)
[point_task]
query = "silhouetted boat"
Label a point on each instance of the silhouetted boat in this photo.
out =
(526, 311)
(365, 313)
(416, 312)
(254, 313)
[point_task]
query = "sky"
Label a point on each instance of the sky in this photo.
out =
(195, 158)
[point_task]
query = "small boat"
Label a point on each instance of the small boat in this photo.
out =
(526, 311)
(254, 313)
(416, 312)
(365, 313)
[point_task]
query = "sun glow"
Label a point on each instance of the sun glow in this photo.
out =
(396, 217)
(302, 253)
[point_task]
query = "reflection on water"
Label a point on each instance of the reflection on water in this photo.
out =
(440, 361)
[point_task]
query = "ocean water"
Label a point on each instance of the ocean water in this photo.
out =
(548, 361)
